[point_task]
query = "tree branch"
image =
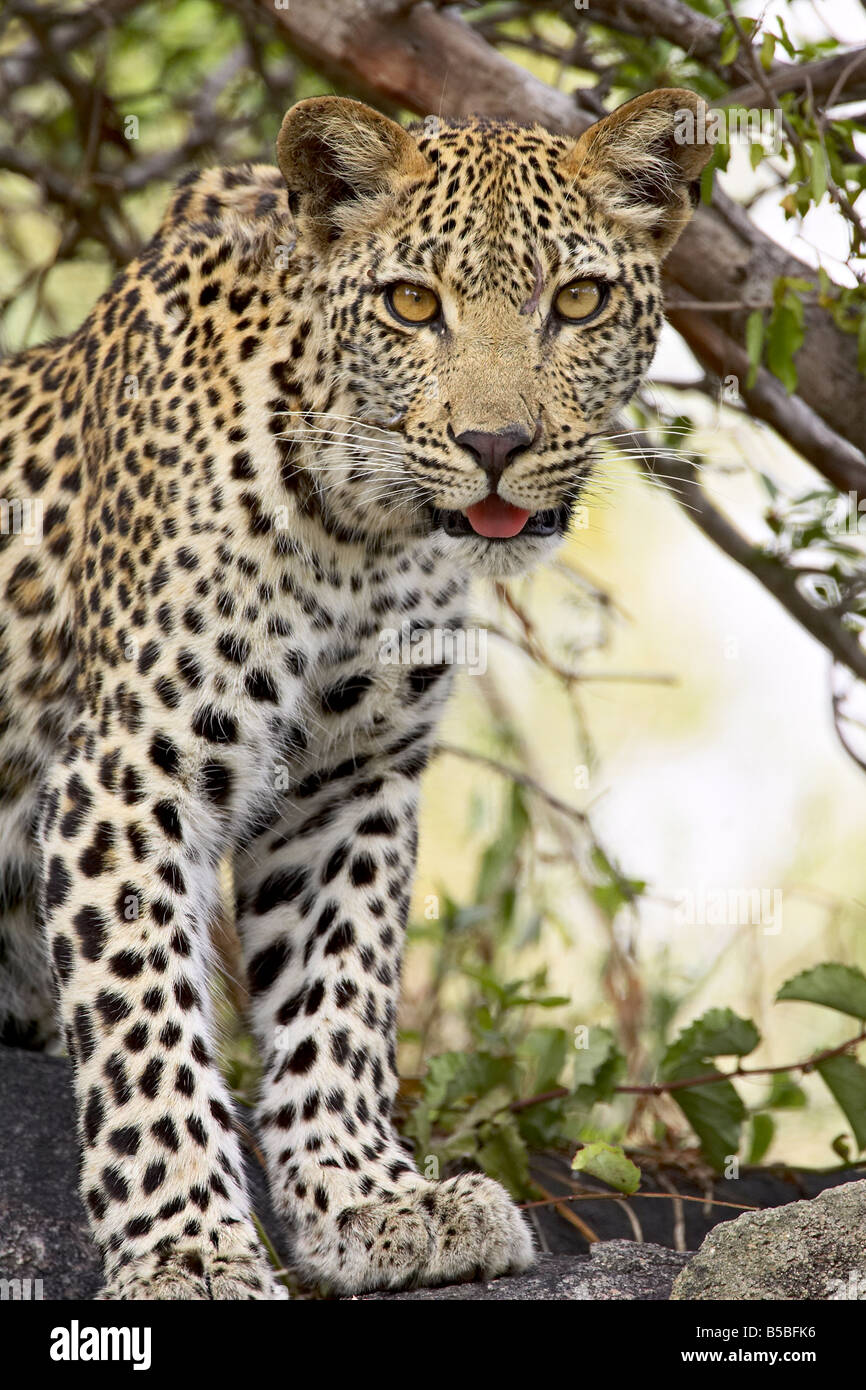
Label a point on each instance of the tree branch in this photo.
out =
(833, 81)
(712, 1078)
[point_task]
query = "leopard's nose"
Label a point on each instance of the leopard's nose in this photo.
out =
(495, 451)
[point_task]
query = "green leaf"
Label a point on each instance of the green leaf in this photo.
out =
(769, 484)
(589, 1060)
(839, 987)
(547, 1126)
(846, 1080)
(716, 1114)
(504, 1157)
(768, 48)
(798, 283)
(674, 434)
(461, 1076)
(817, 170)
(466, 1139)
(763, 1133)
(609, 1164)
(785, 1094)
(730, 46)
(614, 890)
(544, 1051)
(754, 343)
(785, 40)
(597, 1068)
(784, 340)
(717, 1033)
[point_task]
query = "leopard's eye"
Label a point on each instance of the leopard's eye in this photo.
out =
(580, 300)
(412, 303)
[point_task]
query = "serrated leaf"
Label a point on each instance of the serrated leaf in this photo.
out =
(609, 1164)
(715, 1112)
(839, 987)
(717, 1033)
(845, 1078)
(763, 1134)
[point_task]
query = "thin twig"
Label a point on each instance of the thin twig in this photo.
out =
(660, 1088)
(617, 1197)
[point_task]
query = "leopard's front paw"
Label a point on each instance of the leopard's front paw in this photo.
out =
(437, 1233)
(195, 1274)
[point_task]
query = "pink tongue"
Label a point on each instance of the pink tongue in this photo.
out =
(496, 518)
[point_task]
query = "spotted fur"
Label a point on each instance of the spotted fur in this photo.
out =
(243, 461)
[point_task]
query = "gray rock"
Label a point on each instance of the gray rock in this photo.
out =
(44, 1234)
(805, 1250)
(613, 1270)
(52, 1259)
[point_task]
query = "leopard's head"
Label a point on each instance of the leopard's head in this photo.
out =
(490, 300)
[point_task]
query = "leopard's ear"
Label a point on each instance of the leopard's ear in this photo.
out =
(642, 163)
(343, 162)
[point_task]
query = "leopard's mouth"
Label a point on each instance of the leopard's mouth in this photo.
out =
(549, 522)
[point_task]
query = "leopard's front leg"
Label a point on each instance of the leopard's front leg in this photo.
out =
(129, 886)
(322, 916)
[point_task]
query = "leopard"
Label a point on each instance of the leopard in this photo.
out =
(327, 397)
